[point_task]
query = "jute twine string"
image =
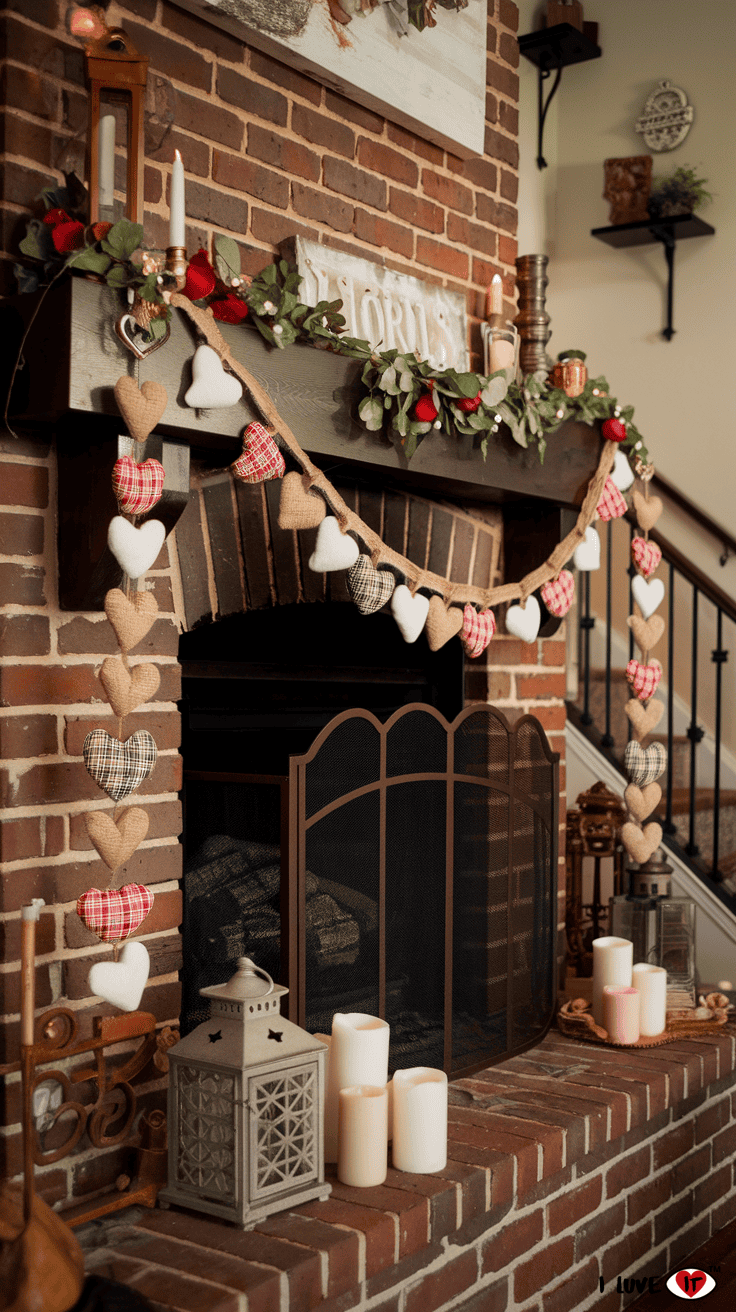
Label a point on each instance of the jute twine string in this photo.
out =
(415, 577)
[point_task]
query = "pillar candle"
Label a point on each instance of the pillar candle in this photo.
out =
(106, 163)
(420, 1120)
(358, 1055)
(651, 981)
(621, 1013)
(177, 227)
(362, 1158)
(612, 961)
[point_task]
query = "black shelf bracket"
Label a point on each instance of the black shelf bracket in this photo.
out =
(667, 231)
(552, 49)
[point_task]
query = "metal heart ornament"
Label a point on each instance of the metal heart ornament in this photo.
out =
(644, 679)
(212, 388)
(119, 768)
(141, 407)
(122, 982)
(116, 841)
(409, 612)
(477, 631)
(333, 548)
(644, 764)
(557, 594)
(369, 588)
(648, 596)
(523, 621)
(587, 554)
(128, 330)
(137, 487)
(622, 473)
(611, 504)
(135, 549)
(115, 914)
(132, 619)
(261, 458)
(646, 556)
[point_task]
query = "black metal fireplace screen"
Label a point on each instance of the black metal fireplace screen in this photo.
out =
(406, 869)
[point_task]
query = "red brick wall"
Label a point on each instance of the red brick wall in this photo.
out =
(268, 153)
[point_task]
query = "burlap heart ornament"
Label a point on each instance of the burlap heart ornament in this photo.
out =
(477, 631)
(141, 407)
(127, 689)
(647, 511)
(132, 619)
(642, 802)
(641, 843)
(116, 841)
(644, 764)
(369, 588)
(299, 508)
(136, 487)
(261, 459)
(646, 632)
(646, 556)
(644, 719)
(442, 622)
(115, 914)
(119, 768)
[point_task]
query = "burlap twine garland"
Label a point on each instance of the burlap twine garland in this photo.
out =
(415, 577)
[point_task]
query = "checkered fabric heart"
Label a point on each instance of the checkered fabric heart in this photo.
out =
(369, 588)
(644, 679)
(644, 764)
(611, 504)
(558, 593)
(261, 458)
(477, 631)
(645, 555)
(136, 487)
(115, 914)
(119, 768)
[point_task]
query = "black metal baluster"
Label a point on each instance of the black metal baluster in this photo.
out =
(719, 656)
(632, 576)
(607, 740)
(694, 733)
(668, 826)
(586, 624)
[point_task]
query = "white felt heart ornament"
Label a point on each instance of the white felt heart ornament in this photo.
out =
(622, 473)
(587, 554)
(135, 549)
(524, 621)
(647, 595)
(409, 612)
(122, 982)
(212, 388)
(333, 548)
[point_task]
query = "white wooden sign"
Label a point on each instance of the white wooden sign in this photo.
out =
(390, 310)
(432, 82)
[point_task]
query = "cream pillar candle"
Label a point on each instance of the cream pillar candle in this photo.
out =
(621, 1013)
(106, 164)
(177, 210)
(651, 981)
(358, 1055)
(612, 961)
(420, 1120)
(362, 1158)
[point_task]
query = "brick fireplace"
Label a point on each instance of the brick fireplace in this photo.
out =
(637, 1158)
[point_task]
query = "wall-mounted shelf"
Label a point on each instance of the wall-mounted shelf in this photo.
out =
(555, 48)
(667, 231)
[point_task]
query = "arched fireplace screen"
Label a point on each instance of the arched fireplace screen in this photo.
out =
(439, 844)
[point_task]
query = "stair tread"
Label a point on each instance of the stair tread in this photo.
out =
(704, 798)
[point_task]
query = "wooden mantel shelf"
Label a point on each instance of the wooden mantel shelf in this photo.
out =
(74, 358)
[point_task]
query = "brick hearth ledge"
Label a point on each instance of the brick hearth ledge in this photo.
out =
(567, 1165)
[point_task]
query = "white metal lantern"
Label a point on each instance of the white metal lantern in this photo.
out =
(246, 1106)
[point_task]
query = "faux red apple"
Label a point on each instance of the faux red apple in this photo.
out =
(614, 430)
(230, 309)
(201, 277)
(425, 409)
(468, 404)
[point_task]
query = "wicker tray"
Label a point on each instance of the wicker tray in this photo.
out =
(575, 1019)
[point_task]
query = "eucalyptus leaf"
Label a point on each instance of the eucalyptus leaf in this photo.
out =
(495, 390)
(227, 257)
(401, 423)
(467, 384)
(371, 413)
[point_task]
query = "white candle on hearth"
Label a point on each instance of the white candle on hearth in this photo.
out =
(612, 961)
(358, 1055)
(362, 1159)
(651, 981)
(420, 1120)
(106, 163)
(621, 1013)
(177, 233)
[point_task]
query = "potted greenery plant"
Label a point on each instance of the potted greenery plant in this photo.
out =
(681, 193)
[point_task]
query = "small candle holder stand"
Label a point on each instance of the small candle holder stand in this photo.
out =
(661, 927)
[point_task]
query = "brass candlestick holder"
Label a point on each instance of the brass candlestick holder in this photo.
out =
(177, 264)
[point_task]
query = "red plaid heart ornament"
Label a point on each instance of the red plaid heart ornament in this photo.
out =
(117, 913)
(645, 555)
(558, 593)
(261, 458)
(611, 504)
(137, 488)
(644, 679)
(477, 631)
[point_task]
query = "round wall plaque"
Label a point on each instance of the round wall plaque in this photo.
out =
(666, 118)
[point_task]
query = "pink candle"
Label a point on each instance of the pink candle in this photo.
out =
(621, 1013)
